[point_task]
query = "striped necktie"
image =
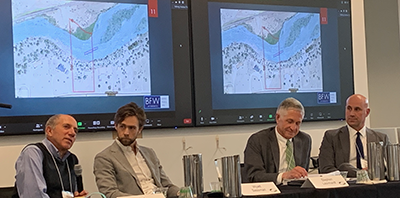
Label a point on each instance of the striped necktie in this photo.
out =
(289, 155)
(359, 150)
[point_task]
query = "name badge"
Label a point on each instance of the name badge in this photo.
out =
(262, 188)
(324, 182)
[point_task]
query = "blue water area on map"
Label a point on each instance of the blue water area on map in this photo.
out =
(40, 27)
(277, 52)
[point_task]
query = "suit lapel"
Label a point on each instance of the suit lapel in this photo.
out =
(150, 165)
(274, 148)
(370, 136)
(118, 153)
(344, 139)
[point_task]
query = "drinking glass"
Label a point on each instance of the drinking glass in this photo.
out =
(185, 192)
(215, 186)
(344, 174)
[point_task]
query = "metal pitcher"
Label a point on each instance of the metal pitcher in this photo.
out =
(376, 167)
(392, 160)
(193, 173)
(230, 177)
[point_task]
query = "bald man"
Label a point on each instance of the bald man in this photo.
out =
(345, 149)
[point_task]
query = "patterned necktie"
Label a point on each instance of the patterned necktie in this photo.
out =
(289, 155)
(359, 150)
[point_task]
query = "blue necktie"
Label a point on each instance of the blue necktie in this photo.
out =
(360, 150)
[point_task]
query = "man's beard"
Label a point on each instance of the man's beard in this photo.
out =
(126, 141)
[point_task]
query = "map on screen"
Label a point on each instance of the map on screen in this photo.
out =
(80, 49)
(270, 51)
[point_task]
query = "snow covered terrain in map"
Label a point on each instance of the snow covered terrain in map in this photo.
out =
(80, 48)
(270, 51)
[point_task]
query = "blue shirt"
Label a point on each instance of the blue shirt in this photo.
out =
(29, 170)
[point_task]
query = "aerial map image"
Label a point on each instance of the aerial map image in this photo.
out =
(270, 51)
(80, 49)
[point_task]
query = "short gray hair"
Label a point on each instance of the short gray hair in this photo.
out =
(291, 103)
(52, 121)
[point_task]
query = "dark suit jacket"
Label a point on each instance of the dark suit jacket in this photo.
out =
(261, 156)
(115, 176)
(335, 149)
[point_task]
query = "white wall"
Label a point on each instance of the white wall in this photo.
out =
(168, 142)
(383, 49)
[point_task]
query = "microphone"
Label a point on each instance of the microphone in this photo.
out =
(2, 105)
(78, 173)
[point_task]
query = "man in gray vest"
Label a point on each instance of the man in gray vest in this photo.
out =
(46, 169)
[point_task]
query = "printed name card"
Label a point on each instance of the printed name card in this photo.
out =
(157, 195)
(262, 188)
(324, 182)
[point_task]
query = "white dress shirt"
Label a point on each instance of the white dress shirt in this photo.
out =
(140, 167)
(353, 149)
(283, 165)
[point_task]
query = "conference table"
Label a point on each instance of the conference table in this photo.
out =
(385, 190)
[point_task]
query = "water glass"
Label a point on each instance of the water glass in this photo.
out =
(216, 186)
(185, 192)
(362, 176)
(344, 174)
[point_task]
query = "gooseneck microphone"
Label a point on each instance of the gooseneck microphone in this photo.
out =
(78, 173)
(2, 105)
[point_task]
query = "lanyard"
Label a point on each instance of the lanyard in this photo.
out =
(58, 171)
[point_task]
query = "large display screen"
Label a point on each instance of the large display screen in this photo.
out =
(88, 58)
(249, 55)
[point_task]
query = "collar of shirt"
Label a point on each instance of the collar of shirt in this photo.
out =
(280, 138)
(353, 132)
(126, 149)
(54, 151)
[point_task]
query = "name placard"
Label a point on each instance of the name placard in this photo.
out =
(158, 195)
(324, 182)
(262, 188)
